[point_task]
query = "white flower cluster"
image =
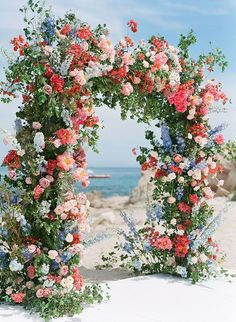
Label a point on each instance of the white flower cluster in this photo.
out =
(39, 142)
(44, 208)
(15, 266)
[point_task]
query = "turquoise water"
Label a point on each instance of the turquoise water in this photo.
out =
(122, 181)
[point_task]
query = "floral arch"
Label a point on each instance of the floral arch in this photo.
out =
(63, 69)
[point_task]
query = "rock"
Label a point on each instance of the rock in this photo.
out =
(105, 218)
(143, 191)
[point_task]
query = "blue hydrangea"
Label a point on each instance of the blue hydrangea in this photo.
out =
(147, 247)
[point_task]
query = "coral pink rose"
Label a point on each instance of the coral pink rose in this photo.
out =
(38, 190)
(65, 161)
(219, 139)
(31, 271)
(18, 297)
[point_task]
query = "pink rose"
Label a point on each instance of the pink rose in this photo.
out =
(127, 89)
(40, 293)
(28, 180)
(52, 254)
(48, 89)
(12, 175)
(63, 216)
(59, 210)
(69, 195)
(64, 270)
(44, 183)
(36, 125)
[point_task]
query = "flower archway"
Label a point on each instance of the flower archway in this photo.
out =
(63, 70)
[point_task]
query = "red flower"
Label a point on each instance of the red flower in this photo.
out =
(76, 239)
(51, 165)
(57, 83)
(65, 29)
(159, 173)
(18, 297)
(194, 199)
(12, 160)
(19, 43)
(84, 33)
(184, 208)
(133, 25)
(181, 245)
(49, 72)
(176, 169)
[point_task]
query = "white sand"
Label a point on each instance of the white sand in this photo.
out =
(152, 299)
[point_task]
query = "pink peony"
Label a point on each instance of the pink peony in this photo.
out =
(127, 89)
(18, 297)
(65, 161)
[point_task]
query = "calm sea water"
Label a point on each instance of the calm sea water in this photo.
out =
(122, 181)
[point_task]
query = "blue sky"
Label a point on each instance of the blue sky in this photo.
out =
(212, 20)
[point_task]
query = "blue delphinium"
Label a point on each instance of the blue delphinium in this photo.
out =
(147, 247)
(137, 264)
(181, 271)
(127, 247)
(217, 129)
(48, 29)
(155, 212)
(179, 193)
(165, 136)
(130, 223)
(181, 144)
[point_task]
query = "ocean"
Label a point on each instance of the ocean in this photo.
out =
(122, 181)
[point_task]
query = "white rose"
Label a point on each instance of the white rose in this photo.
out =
(52, 254)
(69, 238)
